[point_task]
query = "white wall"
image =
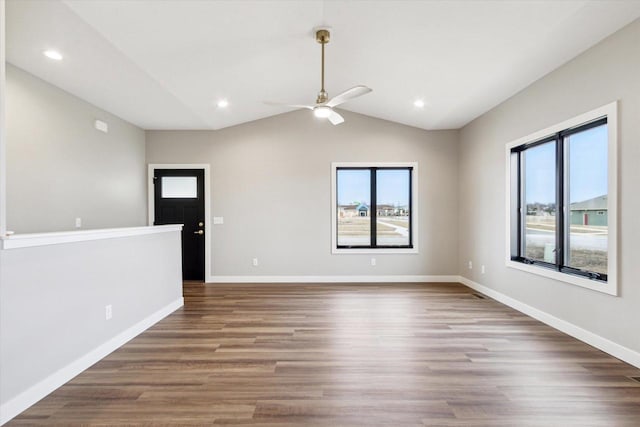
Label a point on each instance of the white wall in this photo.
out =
(52, 307)
(271, 181)
(607, 72)
(59, 167)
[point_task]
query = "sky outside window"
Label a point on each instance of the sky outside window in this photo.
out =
(392, 184)
(588, 164)
(354, 186)
(589, 181)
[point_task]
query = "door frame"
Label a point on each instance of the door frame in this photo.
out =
(207, 208)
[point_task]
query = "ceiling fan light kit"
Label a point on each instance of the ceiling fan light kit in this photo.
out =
(322, 111)
(324, 106)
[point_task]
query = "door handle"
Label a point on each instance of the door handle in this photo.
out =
(198, 232)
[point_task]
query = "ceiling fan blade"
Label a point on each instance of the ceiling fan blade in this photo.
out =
(347, 95)
(335, 118)
(281, 104)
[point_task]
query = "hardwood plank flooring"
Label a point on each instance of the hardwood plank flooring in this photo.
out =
(347, 355)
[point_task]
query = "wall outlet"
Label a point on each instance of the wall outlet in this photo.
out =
(108, 312)
(470, 265)
(78, 222)
(255, 262)
(373, 261)
(482, 269)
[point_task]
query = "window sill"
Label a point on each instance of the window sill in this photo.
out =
(609, 287)
(337, 251)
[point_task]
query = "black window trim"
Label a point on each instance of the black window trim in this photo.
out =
(373, 208)
(518, 211)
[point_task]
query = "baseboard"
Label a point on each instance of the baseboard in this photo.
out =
(36, 392)
(623, 353)
(332, 279)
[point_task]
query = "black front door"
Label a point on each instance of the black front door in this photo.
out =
(179, 199)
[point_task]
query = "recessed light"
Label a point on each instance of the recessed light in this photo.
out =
(53, 54)
(223, 103)
(418, 103)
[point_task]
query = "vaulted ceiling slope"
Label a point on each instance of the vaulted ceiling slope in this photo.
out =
(165, 64)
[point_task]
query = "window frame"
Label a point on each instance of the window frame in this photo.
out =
(514, 210)
(412, 248)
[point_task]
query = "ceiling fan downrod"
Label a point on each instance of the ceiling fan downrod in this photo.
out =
(322, 37)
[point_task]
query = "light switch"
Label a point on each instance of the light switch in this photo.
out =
(218, 220)
(101, 126)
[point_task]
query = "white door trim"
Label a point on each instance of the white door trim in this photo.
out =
(207, 203)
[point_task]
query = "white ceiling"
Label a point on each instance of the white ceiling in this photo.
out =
(165, 64)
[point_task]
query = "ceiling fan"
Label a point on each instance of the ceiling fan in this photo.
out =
(324, 106)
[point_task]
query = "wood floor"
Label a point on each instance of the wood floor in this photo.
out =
(347, 355)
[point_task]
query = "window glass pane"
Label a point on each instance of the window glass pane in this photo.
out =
(354, 202)
(392, 207)
(587, 194)
(179, 187)
(540, 202)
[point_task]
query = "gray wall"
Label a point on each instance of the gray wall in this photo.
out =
(609, 71)
(59, 167)
(3, 157)
(53, 298)
(270, 180)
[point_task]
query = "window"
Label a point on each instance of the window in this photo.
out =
(373, 207)
(562, 201)
(179, 187)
